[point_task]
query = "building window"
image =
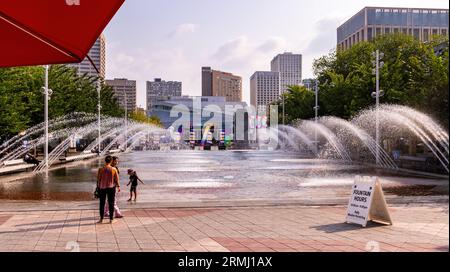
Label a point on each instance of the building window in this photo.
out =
(416, 34)
(378, 31)
(369, 33)
(387, 30)
(444, 32)
(425, 35)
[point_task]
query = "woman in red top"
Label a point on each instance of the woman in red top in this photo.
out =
(107, 181)
(117, 213)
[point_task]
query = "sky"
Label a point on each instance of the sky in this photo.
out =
(173, 39)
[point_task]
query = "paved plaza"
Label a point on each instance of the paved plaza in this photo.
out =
(417, 227)
(220, 201)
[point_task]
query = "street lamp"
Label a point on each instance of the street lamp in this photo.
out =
(126, 119)
(376, 95)
(316, 109)
(99, 107)
(47, 93)
(282, 96)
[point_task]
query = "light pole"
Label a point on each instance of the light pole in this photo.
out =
(126, 119)
(47, 93)
(99, 106)
(316, 110)
(282, 91)
(282, 96)
(377, 94)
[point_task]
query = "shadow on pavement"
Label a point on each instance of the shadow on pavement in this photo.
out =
(341, 227)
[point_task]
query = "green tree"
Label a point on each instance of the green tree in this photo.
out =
(19, 97)
(140, 116)
(299, 103)
(22, 101)
(413, 75)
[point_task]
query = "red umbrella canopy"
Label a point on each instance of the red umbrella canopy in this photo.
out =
(51, 31)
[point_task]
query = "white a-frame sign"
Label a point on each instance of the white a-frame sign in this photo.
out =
(367, 202)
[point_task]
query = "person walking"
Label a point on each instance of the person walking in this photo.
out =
(107, 182)
(117, 213)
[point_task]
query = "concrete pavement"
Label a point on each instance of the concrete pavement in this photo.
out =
(417, 227)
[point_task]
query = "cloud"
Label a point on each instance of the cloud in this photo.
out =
(157, 62)
(322, 43)
(231, 49)
(240, 53)
(183, 29)
(170, 60)
(243, 57)
(272, 44)
(325, 39)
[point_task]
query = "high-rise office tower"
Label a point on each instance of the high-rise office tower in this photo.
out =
(98, 56)
(124, 88)
(217, 83)
(160, 88)
(289, 66)
(370, 22)
(264, 89)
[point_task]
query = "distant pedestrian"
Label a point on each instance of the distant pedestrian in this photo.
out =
(107, 182)
(134, 183)
(117, 213)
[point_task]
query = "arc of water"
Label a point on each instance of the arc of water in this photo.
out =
(137, 138)
(423, 120)
(272, 133)
(64, 145)
(134, 139)
(297, 132)
(130, 131)
(21, 151)
(331, 138)
(365, 138)
(107, 132)
(15, 147)
(421, 134)
(54, 155)
(142, 133)
(17, 140)
(288, 139)
(133, 130)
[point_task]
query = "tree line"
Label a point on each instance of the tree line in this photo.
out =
(22, 100)
(414, 74)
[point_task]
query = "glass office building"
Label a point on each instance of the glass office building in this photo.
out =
(370, 22)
